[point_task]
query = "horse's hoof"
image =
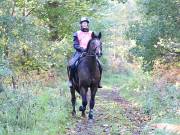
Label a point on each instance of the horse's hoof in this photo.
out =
(81, 108)
(83, 114)
(73, 114)
(90, 116)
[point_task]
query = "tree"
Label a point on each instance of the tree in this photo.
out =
(35, 33)
(157, 33)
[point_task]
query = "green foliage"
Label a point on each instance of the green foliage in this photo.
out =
(156, 32)
(160, 103)
(61, 16)
(26, 112)
(37, 34)
(21, 35)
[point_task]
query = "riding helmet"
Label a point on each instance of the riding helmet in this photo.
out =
(84, 19)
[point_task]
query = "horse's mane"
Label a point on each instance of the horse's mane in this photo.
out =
(89, 44)
(94, 37)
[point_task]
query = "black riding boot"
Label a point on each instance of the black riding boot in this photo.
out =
(72, 67)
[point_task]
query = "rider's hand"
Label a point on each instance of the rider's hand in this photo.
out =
(82, 49)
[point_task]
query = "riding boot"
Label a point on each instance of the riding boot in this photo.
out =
(71, 64)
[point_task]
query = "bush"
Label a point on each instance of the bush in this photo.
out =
(35, 110)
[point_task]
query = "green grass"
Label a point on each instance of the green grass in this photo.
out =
(139, 89)
(45, 110)
(35, 110)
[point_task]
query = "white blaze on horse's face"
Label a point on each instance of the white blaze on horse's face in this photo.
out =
(98, 47)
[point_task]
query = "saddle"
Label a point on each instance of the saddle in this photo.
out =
(79, 60)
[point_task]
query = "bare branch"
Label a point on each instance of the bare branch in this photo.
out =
(29, 12)
(13, 10)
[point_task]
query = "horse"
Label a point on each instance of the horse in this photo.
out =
(87, 75)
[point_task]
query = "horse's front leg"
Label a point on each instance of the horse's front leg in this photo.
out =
(83, 92)
(73, 101)
(92, 101)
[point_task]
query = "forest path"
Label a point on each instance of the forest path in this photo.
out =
(113, 115)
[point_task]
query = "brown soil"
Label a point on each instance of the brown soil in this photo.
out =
(104, 119)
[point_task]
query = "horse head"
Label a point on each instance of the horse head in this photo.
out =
(95, 45)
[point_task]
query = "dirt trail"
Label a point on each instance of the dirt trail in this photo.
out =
(113, 115)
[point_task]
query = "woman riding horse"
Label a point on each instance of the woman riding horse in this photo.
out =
(81, 39)
(88, 72)
(87, 75)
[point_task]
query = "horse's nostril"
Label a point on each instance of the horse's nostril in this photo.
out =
(100, 54)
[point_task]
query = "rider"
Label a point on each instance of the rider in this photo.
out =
(80, 41)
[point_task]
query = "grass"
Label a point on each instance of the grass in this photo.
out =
(35, 110)
(45, 109)
(139, 88)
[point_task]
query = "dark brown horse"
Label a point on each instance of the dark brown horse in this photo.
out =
(87, 75)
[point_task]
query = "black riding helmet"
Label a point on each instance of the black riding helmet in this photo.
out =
(84, 19)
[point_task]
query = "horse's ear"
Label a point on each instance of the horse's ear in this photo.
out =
(92, 35)
(99, 36)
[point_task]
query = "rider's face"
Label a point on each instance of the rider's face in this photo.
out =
(84, 25)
